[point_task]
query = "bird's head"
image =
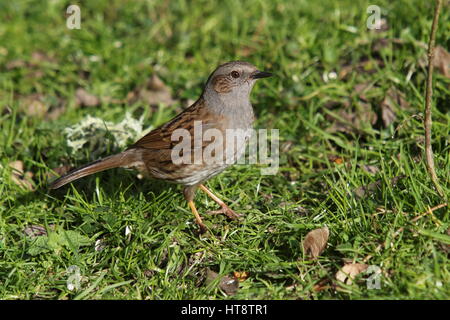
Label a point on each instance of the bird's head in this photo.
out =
(235, 78)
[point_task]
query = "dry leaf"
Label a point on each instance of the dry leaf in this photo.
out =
(368, 66)
(382, 43)
(240, 275)
(84, 98)
(34, 231)
(37, 57)
(156, 84)
(392, 99)
(267, 197)
(100, 244)
(14, 64)
(387, 114)
(349, 271)
(227, 284)
(246, 51)
(55, 113)
(19, 177)
(34, 74)
(370, 168)
(153, 93)
(360, 90)
(352, 119)
(316, 241)
(323, 284)
(294, 207)
(441, 61)
(370, 188)
(59, 171)
(33, 105)
(336, 159)
(36, 108)
(17, 167)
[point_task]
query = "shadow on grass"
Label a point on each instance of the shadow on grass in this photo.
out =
(110, 182)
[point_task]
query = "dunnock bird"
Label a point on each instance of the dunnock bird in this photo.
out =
(223, 106)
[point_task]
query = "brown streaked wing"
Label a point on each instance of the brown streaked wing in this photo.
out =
(160, 138)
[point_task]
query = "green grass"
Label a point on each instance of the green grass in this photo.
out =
(163, 257)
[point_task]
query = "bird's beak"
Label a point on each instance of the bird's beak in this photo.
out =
(260, 74)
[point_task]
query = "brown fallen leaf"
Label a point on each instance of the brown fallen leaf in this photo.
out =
(382, 43)
(368, 66)
(294, 207)
(360, 90)
(333, 104)
(349, 271)
(35, 74)
(19, 177)
(15, 64)
(267, 197)
(352, 118)
(86, 99)
(389, 104)
(17, 167)
(371, 188)
(34, 231)
(441, 61)
(55, 113)
(153, 93)
(38, 57)
(156, 84)
(227, 284)
(240, 275)
(34, 105)
(323, 284)
(100, 244)
(59, 171)
(316, 241)
(336, 159)
(370, 168)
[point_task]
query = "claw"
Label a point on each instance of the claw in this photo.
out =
(226, 211)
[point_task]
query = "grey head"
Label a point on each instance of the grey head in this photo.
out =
(232, 82)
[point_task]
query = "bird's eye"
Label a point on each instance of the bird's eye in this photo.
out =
(235, 74)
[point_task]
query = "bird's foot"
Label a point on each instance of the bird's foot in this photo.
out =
(202, 228)
(226, 211)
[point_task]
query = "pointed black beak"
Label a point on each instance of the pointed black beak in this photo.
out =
(260, 74)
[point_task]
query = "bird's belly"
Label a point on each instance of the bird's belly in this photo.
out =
(211, 162)
(197, 175)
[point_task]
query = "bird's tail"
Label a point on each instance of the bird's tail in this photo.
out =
(114, 161)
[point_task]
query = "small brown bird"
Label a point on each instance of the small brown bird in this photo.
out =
(223, 107)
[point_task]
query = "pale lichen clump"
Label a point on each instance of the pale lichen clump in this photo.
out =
(97, 137)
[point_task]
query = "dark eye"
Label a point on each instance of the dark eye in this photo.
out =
(235, 74)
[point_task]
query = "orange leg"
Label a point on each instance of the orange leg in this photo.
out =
(198, 219)
(224, 208)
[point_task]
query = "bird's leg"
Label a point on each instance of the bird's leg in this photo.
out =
(223, 207)
(189, 193)
(198, 219)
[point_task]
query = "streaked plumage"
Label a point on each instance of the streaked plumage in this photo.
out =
(224, 104)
